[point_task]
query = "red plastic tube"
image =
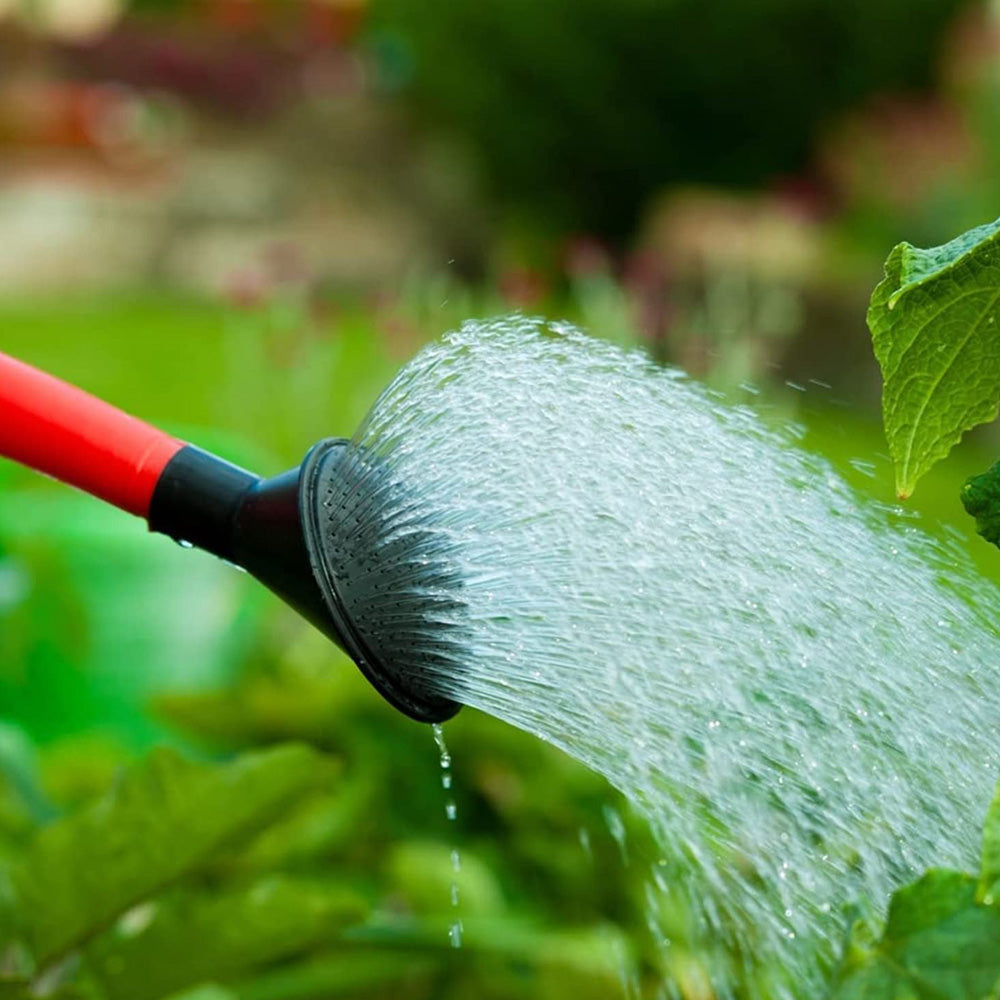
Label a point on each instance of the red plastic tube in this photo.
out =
(66, 433)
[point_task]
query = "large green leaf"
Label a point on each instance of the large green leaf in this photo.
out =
(939, 944)
(192, 937)
(165, 818)
(934, 330)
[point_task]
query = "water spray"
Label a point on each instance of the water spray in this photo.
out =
(298, 533)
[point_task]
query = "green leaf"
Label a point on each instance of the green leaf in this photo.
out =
(933, 326)
(981, 498)
(190, 937)
(939, 944)
(353, 972)
(165, 819)
(990, 865)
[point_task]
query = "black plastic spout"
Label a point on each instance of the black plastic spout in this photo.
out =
(204, 501)
(269, 527)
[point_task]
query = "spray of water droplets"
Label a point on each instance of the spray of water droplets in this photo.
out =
(797, 689)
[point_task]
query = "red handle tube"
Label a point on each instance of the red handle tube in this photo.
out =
(55, 428)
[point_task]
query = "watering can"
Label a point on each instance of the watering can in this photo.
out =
(271, 527)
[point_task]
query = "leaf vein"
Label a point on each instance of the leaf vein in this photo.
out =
(935, 384)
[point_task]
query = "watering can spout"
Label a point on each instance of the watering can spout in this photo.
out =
(198, 499)
(208, 503)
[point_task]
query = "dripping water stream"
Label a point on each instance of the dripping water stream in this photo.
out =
(451, 814)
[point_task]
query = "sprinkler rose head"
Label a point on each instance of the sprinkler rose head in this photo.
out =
(313, 536)
(317, 535)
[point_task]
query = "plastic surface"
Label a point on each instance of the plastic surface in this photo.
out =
(393, 668)
(251, 522)
(66, 433)
(273, 529)
(197, 500)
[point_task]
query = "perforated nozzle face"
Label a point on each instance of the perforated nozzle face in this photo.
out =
(385, 574)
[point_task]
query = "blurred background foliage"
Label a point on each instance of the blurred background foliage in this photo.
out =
(582, 109)
(237, 219)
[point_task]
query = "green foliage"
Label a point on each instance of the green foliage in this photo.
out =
(933, 325)
(295, 872)
(580, 109)
(989, 866)
(981, 497)
(161, 822)
(941, 940)
(939, 944)
(113, 898)
(195, 936)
